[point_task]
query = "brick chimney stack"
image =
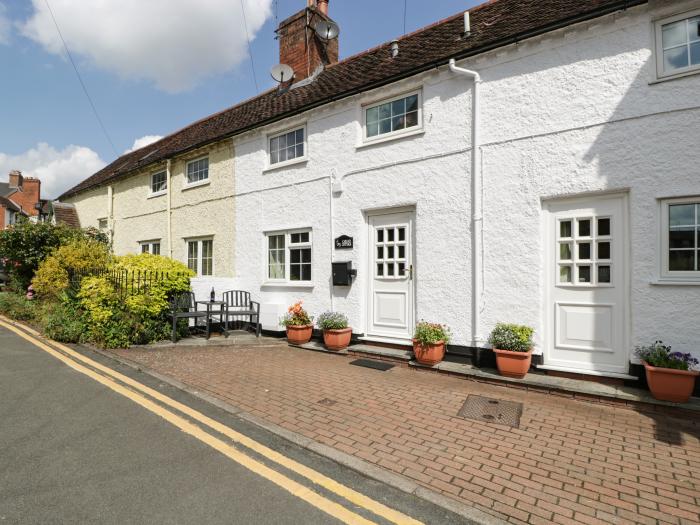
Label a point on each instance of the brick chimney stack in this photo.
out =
(16, 179)
(300, 47)
(27, 192)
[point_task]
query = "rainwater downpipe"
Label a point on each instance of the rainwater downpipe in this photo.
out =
(169, 204)
(477, 214)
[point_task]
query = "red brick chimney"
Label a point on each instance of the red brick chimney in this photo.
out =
(27, 194)
(300, 47)
(15, 179)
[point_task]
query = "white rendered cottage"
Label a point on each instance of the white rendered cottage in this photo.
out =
(564, 195)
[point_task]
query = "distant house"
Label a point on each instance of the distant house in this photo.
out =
(19, 196)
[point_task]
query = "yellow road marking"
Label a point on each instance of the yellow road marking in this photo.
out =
(347, 493)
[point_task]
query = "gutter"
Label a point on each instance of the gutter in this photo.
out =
(477, 222)
(621, 5)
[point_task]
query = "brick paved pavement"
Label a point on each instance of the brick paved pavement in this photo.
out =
(569, 462)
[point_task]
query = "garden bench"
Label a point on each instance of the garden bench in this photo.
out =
(183, 306)
(239, 304)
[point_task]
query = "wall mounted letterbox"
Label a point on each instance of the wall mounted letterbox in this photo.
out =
(343, 273)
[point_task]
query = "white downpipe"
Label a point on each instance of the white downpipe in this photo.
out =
(110, 212)
(477, 214)
(169, 201)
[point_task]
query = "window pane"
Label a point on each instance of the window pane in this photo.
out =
(282, 141)
(282, 156)
(155, 248)
(380, 253)
(291, 153)
(304, 236)
(144, 248)
(380, 235)
(695, 54)
(412, 103)
(565, 229)
(565, 274)
(274, 157)
(411, 119)
(295, 256)
(674, 34)
(398, 123)
(584, 228)
(603, 227)
(604, 274)
(372, 129)
(681, 214)
(306, 272)
(385, 126)
(584, 250)
(398, 107)
(584, 274)
(402, 268)
(681, 260)
(402, 234)
(295, 272)
(402, 252)
(389, 252)
(682, 238)
(676, 58)
(380, 269)
(294, 238)
(565, 251)
(306, 255)
(390, 234)
(694, 29)
(385, 111)
(372, 115)
(300, 150)
(390, 270)
(603, 250)
(274, 144)
(192, 255)
(300, 135)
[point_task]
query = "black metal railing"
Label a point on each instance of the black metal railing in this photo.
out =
(127, 282)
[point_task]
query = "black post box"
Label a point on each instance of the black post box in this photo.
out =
(343, 273)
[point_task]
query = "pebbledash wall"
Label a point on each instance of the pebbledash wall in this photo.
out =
(575, 112)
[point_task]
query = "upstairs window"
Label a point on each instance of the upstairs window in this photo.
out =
(393, 117)
(198, 170)
(678, 45)
(287, 147)
(159, 183)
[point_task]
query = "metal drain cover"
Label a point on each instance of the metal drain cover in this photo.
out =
(377, 365)
(327, 402)
(491, 410)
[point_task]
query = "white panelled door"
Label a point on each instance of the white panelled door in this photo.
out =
(587, 308)
(390, 302)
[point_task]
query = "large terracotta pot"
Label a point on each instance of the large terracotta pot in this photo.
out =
(430, 354)
(299, 335)
(513, 364)
(337, 339)
(667, 384)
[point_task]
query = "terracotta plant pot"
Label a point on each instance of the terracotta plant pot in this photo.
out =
(337, 339)
(667, 384)
(513, 364)
(430, 354)
(299, 335)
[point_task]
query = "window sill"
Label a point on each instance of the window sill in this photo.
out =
(287, 284)
(682, 74)
(157, 194)
(674, 282)
(193, 185)
(285, 164)
(390, 138)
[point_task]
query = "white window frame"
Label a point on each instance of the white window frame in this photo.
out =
(149, 246)
(199, 241)
(270, 136)
(287, 256)
(106, 224)
(659, 51)
(159, 192)
(418, 128)
(201, 182)
(665, 273)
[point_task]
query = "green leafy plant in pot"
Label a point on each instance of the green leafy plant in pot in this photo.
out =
(670, 375)
(299, 324)
(512, 345)
(336, 332)
(429, 340)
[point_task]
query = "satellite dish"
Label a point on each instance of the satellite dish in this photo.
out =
(282, 73)
(326, 29)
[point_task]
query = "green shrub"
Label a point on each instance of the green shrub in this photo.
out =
(513, 337)
(430, 333)
(65, 322)
(332, 321)
(18, 307)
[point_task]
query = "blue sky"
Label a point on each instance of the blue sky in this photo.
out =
(145, 70)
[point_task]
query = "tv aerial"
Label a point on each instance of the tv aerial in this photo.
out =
(326, 29)
(282, 73)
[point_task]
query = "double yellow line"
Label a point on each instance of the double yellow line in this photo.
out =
(137, 393)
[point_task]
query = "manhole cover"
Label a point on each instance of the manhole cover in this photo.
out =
(368, 363)
(327, 402)
(492, 410)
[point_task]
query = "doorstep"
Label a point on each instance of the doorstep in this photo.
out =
(581, 389)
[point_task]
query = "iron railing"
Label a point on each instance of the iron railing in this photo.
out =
(127, 282)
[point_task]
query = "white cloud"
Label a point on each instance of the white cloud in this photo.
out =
(174, 43)
(5, 25)
(143, 141)
(58, 170)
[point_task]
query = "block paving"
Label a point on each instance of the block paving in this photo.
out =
(569, 462)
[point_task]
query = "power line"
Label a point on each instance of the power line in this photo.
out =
(80, 79)
(405, 6)
(250, 51)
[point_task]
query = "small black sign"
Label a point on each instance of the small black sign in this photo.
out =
(343, 242)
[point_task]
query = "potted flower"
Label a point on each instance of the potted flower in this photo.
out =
(429, 342)
(512, 345)
(299, 324)
(336, 333)
(669, 374)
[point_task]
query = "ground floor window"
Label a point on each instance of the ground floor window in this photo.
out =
(681, 238)
(152, 247)
(200, 256)
(289, 256)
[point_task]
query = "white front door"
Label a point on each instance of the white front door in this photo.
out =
(587, 306)
(390, 312)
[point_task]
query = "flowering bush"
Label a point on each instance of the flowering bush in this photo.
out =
(660, 355)
(512, 337)
(430, 333)
(296, 316)
(332, 321)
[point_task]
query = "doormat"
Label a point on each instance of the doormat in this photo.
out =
(489, 410)
(368, 363)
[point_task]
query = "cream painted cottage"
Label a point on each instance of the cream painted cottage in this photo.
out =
(532, 161)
